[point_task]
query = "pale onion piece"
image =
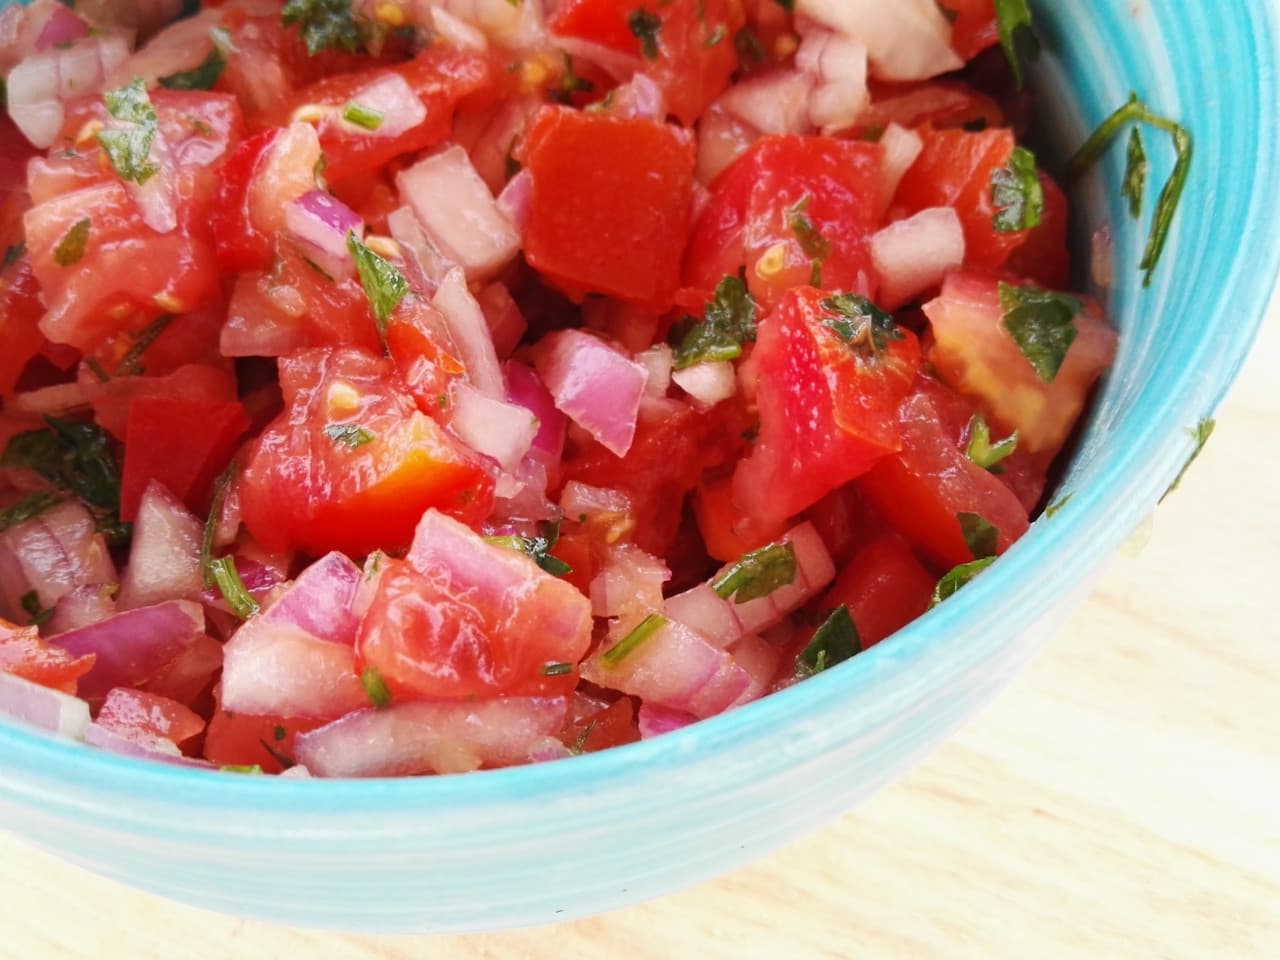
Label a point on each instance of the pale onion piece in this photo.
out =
(526, 389)
(426, 266)
(49, 710)
(52, 554)
(905, 39)
(296, 772)
(761, 660)
(657, 362)
(281, 670)
(629, 583)
(620, 66)
(654, 721)
(700, 608)
(722, 139)
(431, 737)
(546, 749)
(178, 48)
(501, 312)
(458, 213)
(54, 400)
(901, 147)
(391, 97)
(456, 32)
(320, 602)
(516, 26)
(82, 607)
(516, 200)
(321, 223)
(594, 384)
(772, 103)
(838, 65)
(639, 98)
(915, 254)
(490, 137)
(160, 751)
(164, 560)
(57, 26)
(470, 333)
(582, 500)
(501, 430)
(32, 89)
(708, 383)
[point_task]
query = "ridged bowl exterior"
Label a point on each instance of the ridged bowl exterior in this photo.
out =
(539, 844)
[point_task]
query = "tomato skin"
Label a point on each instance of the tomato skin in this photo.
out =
(826, 407)
(197, 383)
(939, 103)
(25, 654)
(242, 740)
(602, 183)
(240, 245)
(726, 533)
(748, 221)
(20, 313)
(303, 489)
(884, 586)
(954, 170)
(593, 724)
(413, 341)
(974, 27)
(183, 444)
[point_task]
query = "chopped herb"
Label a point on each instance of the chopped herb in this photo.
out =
(815, 274)
(375, 687)
(982, 451)
(748, 47)
(364, 117)
(634, 640)
(70, 249)
(580, 745)
(812, 242)
(202, 77)
(227, 579)
(39, 615)
(351, 434)
(557, 669)
(13, 254)
(249, 769)
(787, 5)
(758, 573)
(278, 733)
(1200, 434)
(129, 147)
(860, 323)
(1017, 194)
(28, 508)
(728, 323)
(1135, 111)
(571, 83)
(1135, 173)
(645, 26)
(324, 24)
(1055, 507)
(1017, 39)
(1042, 324)
(80, 459)
(384, 285)
(957, 578)
(131, 363)
(96, 369)
(286, 762)
(537, 548)
(834, 642)
(980, 536)
(220, 489)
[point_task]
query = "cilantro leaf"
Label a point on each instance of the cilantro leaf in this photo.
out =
(958, 577)
(1017, 194)
(384, 285)
(324, 24)
(1042, 324)
(131, 362)
(982, 451)
(980, 536)
(247, 769)
(1200, 434)
(1135, 173)
(538, 549)
(361, 116)
(728, 323)
(812, 242)
(634, 640)
(645, 26)
(1057, 505)
(227, 579)
(1017, 38)
(758, 573)
(557, 669)
(129, 147)
(202, 77)
(220, 488)
(375, 687)
(351, 434)
(860, 323)
(834, 642)
(70, 249)
(39, 614)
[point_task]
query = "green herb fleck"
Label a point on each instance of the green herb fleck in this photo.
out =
(39, 615)
(1017, 38)
(350, 434)
(537, 548)
(834, 642)
(787, 5)
(202, 77)
(220, 488)
(1135, 173)
(1200, 435)
(580, 745)
(1054, 508)
(980, 536)
(758, 573)
(28, 508)
(361, 116)
(983, 452)
(70, 249)
(129, 147)
(1042, 324)
(634, 640)
(375, 687)
(13, 254)
(249, 769)
(748, 47)
(278, 733)
(131, 362)
(645, 26)
(324, 24)
(286, 762)
(227, 578)
(812, 242)
(557, 669)
(384, 285)
(570, 84)
(860, 323)
(728, 322)
(1017, 194)
(958, 577)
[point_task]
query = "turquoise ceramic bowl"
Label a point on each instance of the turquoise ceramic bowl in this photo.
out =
(585, 835)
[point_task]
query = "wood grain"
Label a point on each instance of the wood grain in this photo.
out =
(1121, 799)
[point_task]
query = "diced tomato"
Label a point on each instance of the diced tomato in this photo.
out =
(727, 533)
(610, 200)
(143, 718)
(183, 444)
(788, 209)
(954, 170)
(974, 27)
(352, 464)
(826, 404)
(25, 654)
(414, 335)
(238, 739)
(884, 586)
(20, 313)
(924, 489)
(193, 382)
(978, 357)
(846, 522)
(1044, 256)
(940, 103)
(593, 724)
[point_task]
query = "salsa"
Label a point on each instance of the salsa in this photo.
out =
(402, 387)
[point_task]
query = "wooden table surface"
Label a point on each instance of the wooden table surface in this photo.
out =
(1120, 800)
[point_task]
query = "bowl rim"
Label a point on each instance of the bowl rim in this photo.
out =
(918, 647)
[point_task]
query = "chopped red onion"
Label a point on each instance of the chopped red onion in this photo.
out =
(457, 32)
(320, 223)
(629, 583)
(61, 28)
(526, 389)
(1102, 257)
(516, 26)
(913, 255)
(701, 608)
(639, 98)
(39, 85)
(657, 362)
(458, 213)
(501, 430)
(52, 554)
(771, 103)
(901, 148)
(489, 137)
(191, 674)
(721, 140)
(43, 708)
(839, 65)
(516, 200)
(506, 324)
(620, 66)
(431, 737)
(320, 601)
(389, 103)
(760, 659)
(905, 40)
(164, 561)
(654, 721)
(82, 607)
(581, 500)
(547, 749)
(140, 16)
(161, 751)
(594, 384)
(278, 669)
(708, 383)
(470, 333)
(425, 266)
